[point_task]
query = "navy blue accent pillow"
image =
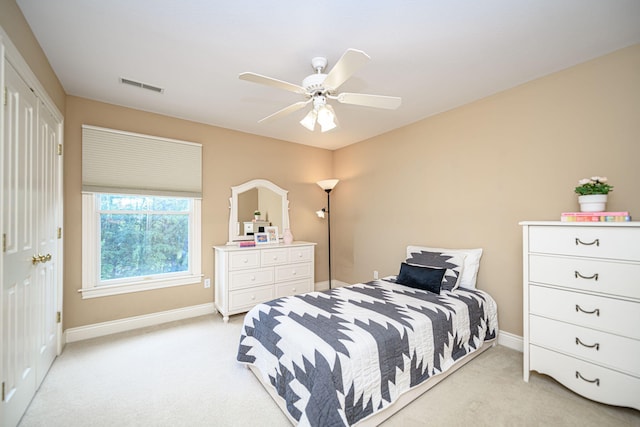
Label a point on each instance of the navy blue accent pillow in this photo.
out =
(420, 277)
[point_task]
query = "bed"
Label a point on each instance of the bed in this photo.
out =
(357, 354)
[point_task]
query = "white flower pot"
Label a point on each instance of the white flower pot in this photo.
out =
(593, 203)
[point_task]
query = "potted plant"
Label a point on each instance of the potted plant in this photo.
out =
(256, 215)
(592, 193)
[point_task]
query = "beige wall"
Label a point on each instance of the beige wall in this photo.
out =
(465, 178)
(293, 167)
(15, 25)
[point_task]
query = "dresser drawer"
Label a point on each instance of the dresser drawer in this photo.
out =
(602, 348)
(247, 298)
(589, 380)
(598, 242)
(301, 254)
(244, 259)
(274, 256)
(246, 279)
(609, 277)
(293, 288)
(601, 313)
(293, 271)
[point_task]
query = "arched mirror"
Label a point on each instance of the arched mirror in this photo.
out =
(257, 195)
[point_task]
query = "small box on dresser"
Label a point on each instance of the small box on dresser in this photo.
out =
(581, 303)
(251, 275)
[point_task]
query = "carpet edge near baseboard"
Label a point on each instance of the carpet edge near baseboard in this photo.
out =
(96, 330)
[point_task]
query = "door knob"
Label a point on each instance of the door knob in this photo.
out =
(40, 258)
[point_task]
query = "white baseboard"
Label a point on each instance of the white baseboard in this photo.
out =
(511, 341)
(130, 323)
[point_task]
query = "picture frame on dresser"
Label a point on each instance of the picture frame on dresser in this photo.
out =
(261, 238)
(272, 232)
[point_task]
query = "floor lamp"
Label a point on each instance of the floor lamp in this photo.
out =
(327, 185)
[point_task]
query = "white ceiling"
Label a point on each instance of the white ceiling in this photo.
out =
(436, 54)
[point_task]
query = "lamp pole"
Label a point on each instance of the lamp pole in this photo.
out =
(328, 185)
(328, 190)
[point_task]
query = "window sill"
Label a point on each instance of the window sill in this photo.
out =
(147, 285)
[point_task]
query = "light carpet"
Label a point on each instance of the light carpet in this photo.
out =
(185, 374)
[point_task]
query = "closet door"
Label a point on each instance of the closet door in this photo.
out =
(46, 197)
(20, 275)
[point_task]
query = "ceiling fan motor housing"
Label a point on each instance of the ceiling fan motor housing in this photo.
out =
(314, 83)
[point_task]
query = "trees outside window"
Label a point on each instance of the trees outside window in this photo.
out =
(139, 242)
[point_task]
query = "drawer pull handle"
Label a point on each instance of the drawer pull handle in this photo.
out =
(596, 345)
(580, 242)
(245, 260)
(593, 276)
(253, 278)
(596, 311)
(596, 381)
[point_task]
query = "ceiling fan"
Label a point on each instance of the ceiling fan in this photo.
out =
(318, 88)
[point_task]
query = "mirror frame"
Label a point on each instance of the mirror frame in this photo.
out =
(234, 225)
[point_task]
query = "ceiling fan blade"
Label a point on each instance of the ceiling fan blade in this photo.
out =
(350, 62)
(375, 101)
(287, 110)
(270, 81)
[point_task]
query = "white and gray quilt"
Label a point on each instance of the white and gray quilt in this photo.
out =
(338, 356)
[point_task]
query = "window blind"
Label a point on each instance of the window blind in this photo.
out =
(129, 163)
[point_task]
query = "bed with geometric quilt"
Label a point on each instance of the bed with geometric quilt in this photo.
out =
(357, 354)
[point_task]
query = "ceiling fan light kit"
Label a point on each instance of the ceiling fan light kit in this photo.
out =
(319, 87)
(321, 113)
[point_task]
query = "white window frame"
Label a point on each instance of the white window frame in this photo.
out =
(91, 263)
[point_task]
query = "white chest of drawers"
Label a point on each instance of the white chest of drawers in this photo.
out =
(248, 276)
(582, 307)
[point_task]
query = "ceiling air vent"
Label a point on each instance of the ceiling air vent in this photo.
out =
(141, 85)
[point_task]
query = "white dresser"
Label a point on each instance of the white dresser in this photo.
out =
(248, 276)
(582, 307)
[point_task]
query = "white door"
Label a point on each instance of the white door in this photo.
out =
(46, 201)
(29, 227)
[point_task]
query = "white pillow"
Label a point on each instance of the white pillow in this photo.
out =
(471, 262)
(452, 263)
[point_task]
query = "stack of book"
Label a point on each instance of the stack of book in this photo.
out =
(595, 216)
(247, 244)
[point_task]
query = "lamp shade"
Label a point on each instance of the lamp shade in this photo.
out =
(328, 184)
(326, 118)
(309, 121)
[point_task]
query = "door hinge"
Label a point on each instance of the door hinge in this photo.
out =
(59, 232)
(59, 149)
(2, 391)
(58, 317)
(4, 242)
(4, 96)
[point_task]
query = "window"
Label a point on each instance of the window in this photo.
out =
(139, 242)
(140, 212)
